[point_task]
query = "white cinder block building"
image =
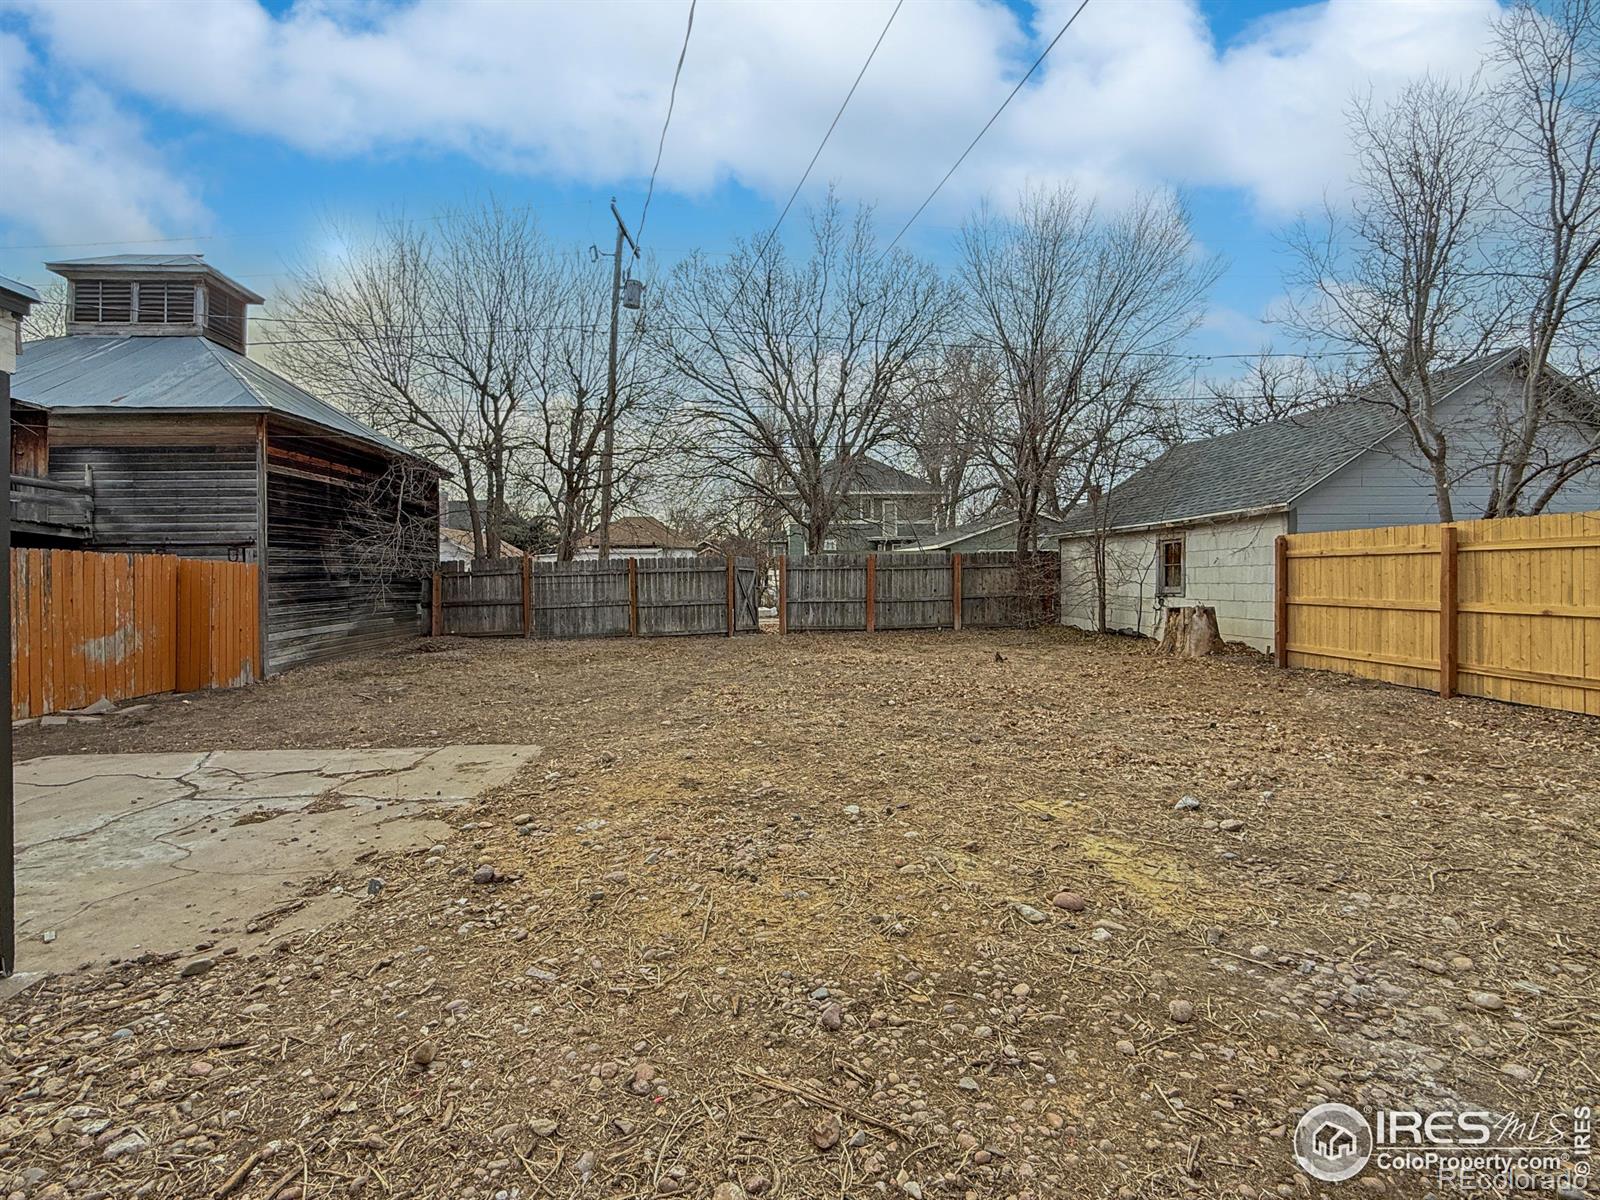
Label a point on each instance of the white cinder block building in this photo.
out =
(1197, 526)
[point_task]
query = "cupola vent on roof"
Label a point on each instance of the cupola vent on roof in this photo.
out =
(156, 295)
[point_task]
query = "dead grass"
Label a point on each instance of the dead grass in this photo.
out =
(721, 829)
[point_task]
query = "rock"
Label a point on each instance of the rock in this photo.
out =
(48, 936)
(128, 1143)
(1126, 1047)
(1261, 953)
(423, 1053)
(522, 818)
(852, 810)
(644, 1076)
(484, 874)
(967, 1084)
(374, 886)
(1101, 934)
(911, 1187)
(584, 1167)
(542, 1128)
(825, 1133)
(54, 719)
(728, 1191)
(99, 708)
(1488, 1001)
(196, 966)
(832, 1016)
(1070, 901)
(1231, 825)
(1031, 915)
(1187, 804)
(1181, 1011)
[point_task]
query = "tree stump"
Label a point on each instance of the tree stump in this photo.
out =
(1191, 632)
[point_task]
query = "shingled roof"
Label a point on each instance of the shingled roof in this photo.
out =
(1263, 467)
(635, 533)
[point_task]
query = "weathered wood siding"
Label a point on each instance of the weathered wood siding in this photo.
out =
(325, 598)
(1512, 612)
(639, 597)
(87, 626)
(181, 484)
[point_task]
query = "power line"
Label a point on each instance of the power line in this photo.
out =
(834, 125)
(672, 100)
(938, 186)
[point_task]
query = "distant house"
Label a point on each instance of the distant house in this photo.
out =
(636, 537)
(187, 446)
(1198, 525)
(883, 508)
(455, 545)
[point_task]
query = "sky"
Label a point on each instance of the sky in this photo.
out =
(248, 130)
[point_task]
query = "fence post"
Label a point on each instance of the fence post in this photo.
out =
(955, 591)
(437, 626)
(1280, 600)
(872, 592)
(732, 589)
(1448, 611)
(633, 597)
(527, 594)
(783, 593)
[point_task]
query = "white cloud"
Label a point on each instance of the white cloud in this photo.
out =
(1136, 94)
(79, 168)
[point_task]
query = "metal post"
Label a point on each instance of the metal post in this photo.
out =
(611, 385)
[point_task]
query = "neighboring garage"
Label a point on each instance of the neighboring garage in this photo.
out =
(192, 448)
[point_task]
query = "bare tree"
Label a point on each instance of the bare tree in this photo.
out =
(48, 318)
(1396, 287)
(388, 535)
(938, 425)
(788, 366)
(563, 421)
(1550, 127)
(1081, 313)
(1270, 388)
(426, 332)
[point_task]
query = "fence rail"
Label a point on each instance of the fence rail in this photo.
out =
(87, 626)
(626, 597)
(989, 589)
(1507, 609)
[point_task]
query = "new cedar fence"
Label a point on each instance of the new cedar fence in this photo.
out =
(626, 597)
(87, 626)
(1507, 609)
(989, 589)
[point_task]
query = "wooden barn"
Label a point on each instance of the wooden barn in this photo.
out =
(187, 446)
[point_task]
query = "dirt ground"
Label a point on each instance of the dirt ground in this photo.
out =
(799, 917)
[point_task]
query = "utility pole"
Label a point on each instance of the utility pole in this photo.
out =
(611, 382)
(15, 301)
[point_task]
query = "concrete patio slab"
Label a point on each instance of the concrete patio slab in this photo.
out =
(123, 854)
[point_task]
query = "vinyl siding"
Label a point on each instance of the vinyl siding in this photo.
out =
(1392, 484)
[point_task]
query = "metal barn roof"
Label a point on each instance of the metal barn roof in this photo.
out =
(169, 374)
(152, 264)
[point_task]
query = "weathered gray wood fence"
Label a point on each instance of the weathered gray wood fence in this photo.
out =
(923, 590)
(626, 597)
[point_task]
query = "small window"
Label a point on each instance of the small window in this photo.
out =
(102, 301)
(1169, 567)
(830, 544)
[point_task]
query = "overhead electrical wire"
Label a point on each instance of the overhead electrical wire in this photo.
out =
(986, 126)
(672, 101)
(773, 232)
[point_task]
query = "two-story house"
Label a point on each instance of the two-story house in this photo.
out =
(883, 508)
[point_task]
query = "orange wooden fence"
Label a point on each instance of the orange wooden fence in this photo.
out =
(87, 626)
(1508, 609)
